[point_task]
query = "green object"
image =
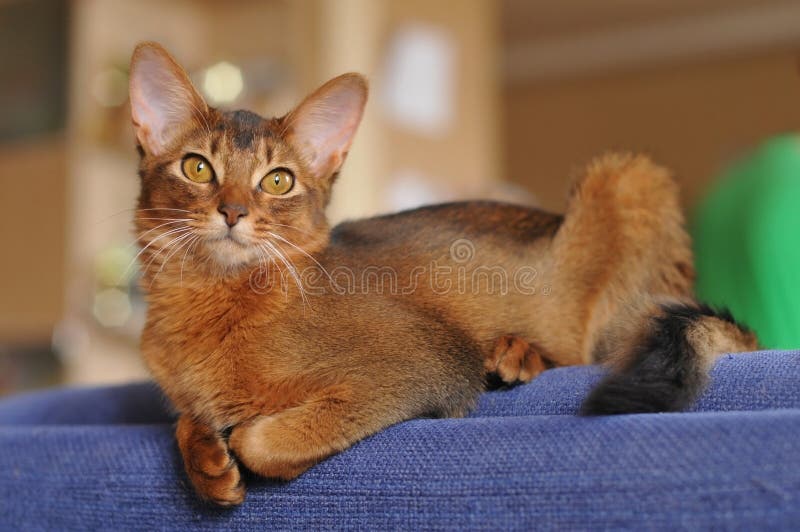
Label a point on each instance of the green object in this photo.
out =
(747, 242)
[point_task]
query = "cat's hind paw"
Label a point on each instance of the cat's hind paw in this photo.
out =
(515, 360)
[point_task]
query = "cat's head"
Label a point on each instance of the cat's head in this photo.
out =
(233, 188)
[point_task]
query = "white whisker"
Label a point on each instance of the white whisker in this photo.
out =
(270, 254)
(290, 227)
(161, 249)
(264, 261)
(291, 267)
(161, 209)
(174, 221)
(263, 252)
(179, 219)
(181, 241)
(189, 248)
(304, 252)
(166, 233)
(140, 210)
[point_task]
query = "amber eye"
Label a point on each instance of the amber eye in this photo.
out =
(197, 169)
(277, 182)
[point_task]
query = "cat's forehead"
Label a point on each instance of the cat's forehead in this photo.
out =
(243, 129)
(239, 142)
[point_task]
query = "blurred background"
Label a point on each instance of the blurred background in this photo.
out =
(502, 99)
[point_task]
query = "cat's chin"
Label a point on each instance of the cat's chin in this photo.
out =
(229, 253)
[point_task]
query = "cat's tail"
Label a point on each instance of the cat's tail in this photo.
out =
(622, 239)
(622, 262)
(662, 364)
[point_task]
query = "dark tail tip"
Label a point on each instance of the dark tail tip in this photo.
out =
(663, 374)
(628, 393)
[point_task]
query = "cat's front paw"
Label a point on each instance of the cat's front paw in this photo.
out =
(273, 449)
(515, 360)
(216, 476)
(212, 470)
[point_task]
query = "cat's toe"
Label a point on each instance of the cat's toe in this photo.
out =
(514, 360)
(211, 461)
(224, 490)
(216, 476)
(229, 495)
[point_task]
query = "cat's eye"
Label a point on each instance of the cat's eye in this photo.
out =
(277, 182)
(197, 169)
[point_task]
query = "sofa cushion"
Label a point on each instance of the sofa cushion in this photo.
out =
(106, 459)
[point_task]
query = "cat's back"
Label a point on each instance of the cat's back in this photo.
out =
(480, 222)
(464, 261)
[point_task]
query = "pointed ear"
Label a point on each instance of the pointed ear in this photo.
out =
(323, 125)
(163, 101)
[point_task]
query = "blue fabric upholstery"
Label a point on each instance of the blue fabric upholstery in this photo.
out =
(105, 458)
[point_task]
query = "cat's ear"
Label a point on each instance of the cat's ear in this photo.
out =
(164, 103)
(323, 125)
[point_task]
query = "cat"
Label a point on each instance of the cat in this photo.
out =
(277, 339)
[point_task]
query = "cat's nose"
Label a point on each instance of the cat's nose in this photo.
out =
(232, 213)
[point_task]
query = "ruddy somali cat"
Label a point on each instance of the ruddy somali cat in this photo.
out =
(398, 316)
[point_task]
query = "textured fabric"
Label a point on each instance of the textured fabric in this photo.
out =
(743, 381)
(747, 243)
(105, 458)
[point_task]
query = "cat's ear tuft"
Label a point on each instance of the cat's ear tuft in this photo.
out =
(164, 103)
(323, 125)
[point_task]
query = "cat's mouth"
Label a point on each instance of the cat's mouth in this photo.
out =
(228, 244)
(231, 239)
(231, 250)
(227, 236)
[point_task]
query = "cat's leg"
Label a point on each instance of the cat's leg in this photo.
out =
(210, 467)
(285, 444)
(515, 360)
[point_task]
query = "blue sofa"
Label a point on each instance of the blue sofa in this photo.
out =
(105, 458)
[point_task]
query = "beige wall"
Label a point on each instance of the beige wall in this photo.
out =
(693, 117)
(33, 184)
(354, 35)
(467, 157)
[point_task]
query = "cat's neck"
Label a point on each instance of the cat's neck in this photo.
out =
(267, 286)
